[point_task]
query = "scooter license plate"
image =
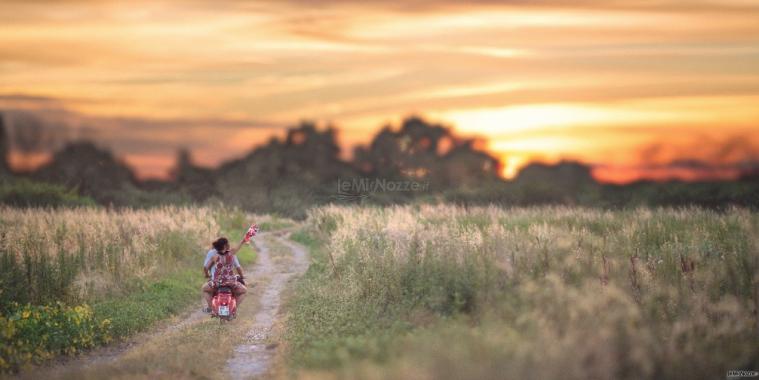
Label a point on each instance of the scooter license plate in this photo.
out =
(224, 311)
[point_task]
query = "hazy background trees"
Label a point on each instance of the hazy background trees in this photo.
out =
(5, 170)
(288, 175)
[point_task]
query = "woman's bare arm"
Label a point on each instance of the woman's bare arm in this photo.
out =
(239, 245)
(246, 238)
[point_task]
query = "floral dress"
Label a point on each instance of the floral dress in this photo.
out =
(224, 273)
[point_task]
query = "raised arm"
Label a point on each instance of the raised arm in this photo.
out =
(239, 245)
(248, 235)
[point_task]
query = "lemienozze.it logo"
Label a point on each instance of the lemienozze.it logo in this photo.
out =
(356, 188)
(737, 374)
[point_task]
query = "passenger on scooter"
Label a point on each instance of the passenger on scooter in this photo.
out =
(209, 255)
(220, 268)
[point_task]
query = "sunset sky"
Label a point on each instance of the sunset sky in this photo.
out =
(639, 88)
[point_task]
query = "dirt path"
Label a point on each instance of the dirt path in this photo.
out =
(195, 346)
(254, 357)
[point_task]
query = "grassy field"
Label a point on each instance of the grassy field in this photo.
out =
(442, 292)
(72, 279)
(198, 350)
(422, 292)
(87, 254)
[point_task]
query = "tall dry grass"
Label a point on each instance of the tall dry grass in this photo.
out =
(83, 254)
(444, 292)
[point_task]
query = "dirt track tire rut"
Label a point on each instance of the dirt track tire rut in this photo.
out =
(254, 357)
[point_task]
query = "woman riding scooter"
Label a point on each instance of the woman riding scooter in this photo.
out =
(220, 270)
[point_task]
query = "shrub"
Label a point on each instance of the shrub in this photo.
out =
(31, 334)
(26, 193)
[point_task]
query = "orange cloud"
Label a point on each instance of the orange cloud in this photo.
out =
(593, 80)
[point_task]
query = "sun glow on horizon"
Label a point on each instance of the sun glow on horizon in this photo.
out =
(595, 81)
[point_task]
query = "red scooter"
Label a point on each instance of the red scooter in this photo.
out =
(224, 304)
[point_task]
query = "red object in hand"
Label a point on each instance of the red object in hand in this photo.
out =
(252, 231)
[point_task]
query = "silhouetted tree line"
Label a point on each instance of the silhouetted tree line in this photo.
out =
(304, 169)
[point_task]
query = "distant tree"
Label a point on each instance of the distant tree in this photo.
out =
(465, 165)
(566, 174)
(5, 169)
(412, 151)
(191, 180)
(183, 167)
(750, 172)
(285, 175)
(312, 155)
(422, 150)
(93, 171)
(32, 134)
(565, 182)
